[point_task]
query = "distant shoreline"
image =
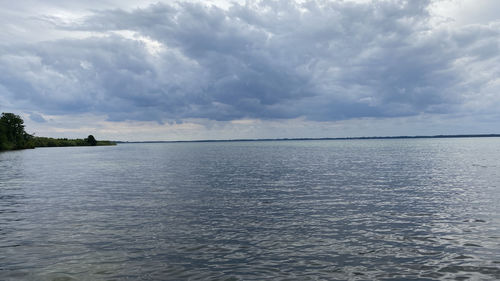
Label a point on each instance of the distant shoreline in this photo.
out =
(308, 139)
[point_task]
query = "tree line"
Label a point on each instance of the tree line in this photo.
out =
(13, 136)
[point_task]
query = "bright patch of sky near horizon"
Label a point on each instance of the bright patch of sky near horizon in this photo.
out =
(152, 70)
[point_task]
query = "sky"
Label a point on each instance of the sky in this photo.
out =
(190, 70)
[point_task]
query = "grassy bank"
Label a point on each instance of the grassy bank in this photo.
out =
(53, 142)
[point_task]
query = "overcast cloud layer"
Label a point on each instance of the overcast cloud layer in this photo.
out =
(271, 60)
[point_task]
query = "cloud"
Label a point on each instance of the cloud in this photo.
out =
(318, 60)
(37, 118)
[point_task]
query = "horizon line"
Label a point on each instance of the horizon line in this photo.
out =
(324, 138)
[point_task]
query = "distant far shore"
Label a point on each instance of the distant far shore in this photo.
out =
(342, 138)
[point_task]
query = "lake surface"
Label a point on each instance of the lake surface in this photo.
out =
(290, 210)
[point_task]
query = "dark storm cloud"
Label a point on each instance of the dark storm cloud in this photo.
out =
(272, 59)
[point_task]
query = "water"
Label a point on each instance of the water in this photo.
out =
(295, 210)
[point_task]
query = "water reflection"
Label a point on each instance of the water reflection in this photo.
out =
(251, 211)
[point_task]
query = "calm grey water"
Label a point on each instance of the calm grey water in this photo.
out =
(295, 210)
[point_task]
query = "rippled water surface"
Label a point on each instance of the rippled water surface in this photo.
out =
(289, 210)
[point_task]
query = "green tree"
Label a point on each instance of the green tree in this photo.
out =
(3, 137)
(91, 140)
(12, 134)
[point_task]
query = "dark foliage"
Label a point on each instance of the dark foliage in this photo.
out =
(12, 134)
(91, 140)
